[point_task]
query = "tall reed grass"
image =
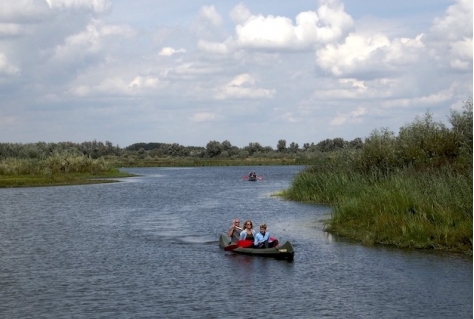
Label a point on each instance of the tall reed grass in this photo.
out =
(406, 209)
(58, 169)
(412, 190)
(55, 164)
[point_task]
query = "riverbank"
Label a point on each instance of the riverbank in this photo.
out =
(57, 170)
(407, 209)
(74, 170)
(7, 181)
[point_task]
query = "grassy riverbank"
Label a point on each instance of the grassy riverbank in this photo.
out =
(57, 170)
(405, 209)
(65, 169)
(411, 191)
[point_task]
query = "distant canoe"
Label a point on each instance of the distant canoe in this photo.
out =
(252, 177)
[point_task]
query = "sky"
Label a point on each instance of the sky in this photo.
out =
(191, 72)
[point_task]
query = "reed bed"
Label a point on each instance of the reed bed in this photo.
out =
(411, 190)
(58, 169)
(405, 209)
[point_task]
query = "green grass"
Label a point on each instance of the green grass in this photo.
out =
(59, 179)
(405, 209)
(56, 170)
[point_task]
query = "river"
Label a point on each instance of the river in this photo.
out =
(147, 247)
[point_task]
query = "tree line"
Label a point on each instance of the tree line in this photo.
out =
(213, 149)
(421, 143)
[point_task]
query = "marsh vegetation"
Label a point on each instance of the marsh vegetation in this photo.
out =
(411, 189)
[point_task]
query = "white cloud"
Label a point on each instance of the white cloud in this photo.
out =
(243, 87)
(259, 32)
(349, 118)
(359, 85)
(424, 101)
(363, 54)
(6, 67)
(208, 24)
(356, 53)
(456, 23)
(288, 62)
(328, 24)
(210, 14)
(450, 38)
(140, 82)
(289, 117)
(240, 14)
(448, 42)
(203, 117)
(89, 42)
(21, 11)
(168, 51)
(10, 30)
(95, 5)
(213, 47)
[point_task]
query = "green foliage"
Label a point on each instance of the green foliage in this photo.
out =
(425, 143)
(411, 190)
(421, 145)
(378, 153)
(55, 164)
(281, 146)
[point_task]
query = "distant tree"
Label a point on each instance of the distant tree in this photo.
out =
(281, 146)
(356, 143)
(294, 147)
(213, 148)
(329, 145)
(228, 149)
(253, 148)
(462, 126)
(177, 150)
(267, 149)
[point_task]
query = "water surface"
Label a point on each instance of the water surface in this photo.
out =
(147, 247)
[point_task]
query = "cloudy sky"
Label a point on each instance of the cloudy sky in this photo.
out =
(195, 71)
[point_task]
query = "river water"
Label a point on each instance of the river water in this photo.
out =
(147, 247)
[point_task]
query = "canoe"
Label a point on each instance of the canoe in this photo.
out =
(252, 177)
(284, 252)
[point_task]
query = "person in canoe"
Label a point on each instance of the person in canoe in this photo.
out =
(247, 233)
(262, 238)
(234, 231)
